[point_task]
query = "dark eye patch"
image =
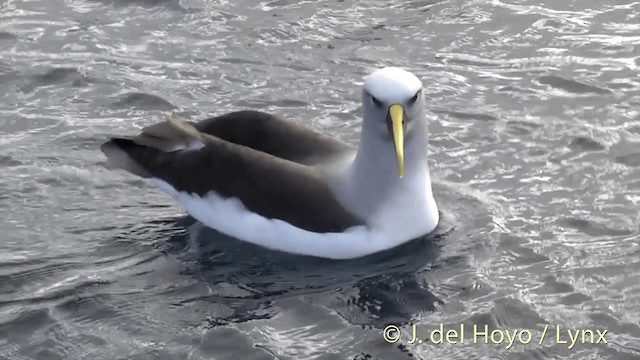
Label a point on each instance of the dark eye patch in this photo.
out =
(414, 98)
(375, 100)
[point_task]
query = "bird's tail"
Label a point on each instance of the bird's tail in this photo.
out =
(171, 135)
(116, 151)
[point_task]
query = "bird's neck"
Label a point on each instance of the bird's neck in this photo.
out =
(371, 183)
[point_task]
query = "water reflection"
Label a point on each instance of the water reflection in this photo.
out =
(247, 279)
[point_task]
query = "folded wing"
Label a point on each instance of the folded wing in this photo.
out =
(199, 163)
(275, 136)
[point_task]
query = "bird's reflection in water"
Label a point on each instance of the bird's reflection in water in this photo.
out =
(372, 291)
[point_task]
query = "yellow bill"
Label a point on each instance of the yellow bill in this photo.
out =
(396, 112)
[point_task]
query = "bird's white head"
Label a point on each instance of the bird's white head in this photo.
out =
(394, 111)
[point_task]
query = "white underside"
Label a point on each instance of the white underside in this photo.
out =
(231, 217)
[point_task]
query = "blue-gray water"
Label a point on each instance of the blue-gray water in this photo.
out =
(535, 155)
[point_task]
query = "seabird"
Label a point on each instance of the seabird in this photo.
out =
(261, 179)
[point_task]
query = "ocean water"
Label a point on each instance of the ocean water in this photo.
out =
(535, 156)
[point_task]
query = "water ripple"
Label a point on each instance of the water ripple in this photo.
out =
(534, 129)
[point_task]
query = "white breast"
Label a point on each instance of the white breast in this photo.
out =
(409, 211)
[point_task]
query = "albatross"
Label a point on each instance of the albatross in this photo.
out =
(259, 178)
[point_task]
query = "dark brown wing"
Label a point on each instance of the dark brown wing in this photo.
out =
(199, 163)
(273, 135)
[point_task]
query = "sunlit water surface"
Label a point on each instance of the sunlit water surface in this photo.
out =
(535, 133)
